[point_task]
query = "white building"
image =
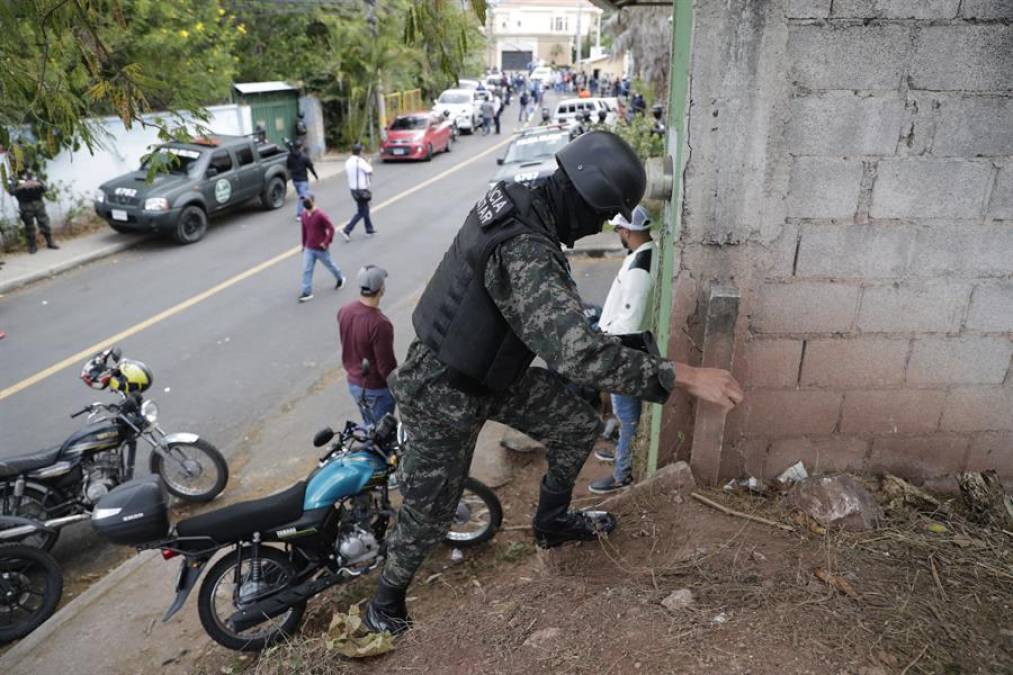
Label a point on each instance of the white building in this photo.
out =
(542, 31)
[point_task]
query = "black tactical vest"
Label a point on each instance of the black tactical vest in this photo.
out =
(456, 318)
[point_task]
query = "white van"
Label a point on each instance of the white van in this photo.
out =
(542, 74)
(570, 110)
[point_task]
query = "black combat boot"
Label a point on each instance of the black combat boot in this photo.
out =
(32, 247)
(555, 524)
(387, 611)
(49, 241)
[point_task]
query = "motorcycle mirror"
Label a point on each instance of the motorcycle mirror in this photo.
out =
(323, 437)
(499, 160)
(115, 354)
(365, 367)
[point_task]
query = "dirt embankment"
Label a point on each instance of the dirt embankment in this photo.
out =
(904, 598)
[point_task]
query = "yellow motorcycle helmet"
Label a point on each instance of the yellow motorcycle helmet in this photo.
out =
(131, 377)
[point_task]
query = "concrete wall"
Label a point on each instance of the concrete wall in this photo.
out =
(78, 174)
(850, 168)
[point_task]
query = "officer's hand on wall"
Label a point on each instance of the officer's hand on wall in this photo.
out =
(709, 384)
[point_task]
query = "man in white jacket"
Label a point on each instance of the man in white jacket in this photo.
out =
(624, 312)
(360, 179)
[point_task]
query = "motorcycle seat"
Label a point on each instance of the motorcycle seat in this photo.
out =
(16, 466)
(245, 518)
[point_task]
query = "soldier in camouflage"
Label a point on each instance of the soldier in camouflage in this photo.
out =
(29, 190)
(503, 294)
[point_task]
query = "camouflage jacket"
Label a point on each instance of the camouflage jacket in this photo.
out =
(538, 298)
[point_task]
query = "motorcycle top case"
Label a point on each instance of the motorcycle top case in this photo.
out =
(133, 513)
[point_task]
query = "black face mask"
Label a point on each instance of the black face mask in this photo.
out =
(574, 217)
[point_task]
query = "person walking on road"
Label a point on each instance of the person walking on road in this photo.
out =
(367, 334)
(623, 314)
(488, 111)
(360, 178)
(300, 166)
(501, 295)
(523, 113)
(29, 190)
(498, 103)
(317, 234)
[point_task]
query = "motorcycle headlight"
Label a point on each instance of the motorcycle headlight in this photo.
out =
(156, 204)
(149, 411)
(100, 196)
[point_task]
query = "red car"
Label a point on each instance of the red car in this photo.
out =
(417, 135)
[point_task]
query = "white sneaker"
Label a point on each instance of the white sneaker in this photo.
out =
(305, 297)
(344, 235)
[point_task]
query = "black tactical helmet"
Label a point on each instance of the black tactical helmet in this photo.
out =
(606, 172)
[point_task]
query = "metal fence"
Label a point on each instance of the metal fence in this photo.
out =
(401, 102)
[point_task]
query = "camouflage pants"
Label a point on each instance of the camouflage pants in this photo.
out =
(35, 212)
(443, 424)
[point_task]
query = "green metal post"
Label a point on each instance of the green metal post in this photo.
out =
(678, 103)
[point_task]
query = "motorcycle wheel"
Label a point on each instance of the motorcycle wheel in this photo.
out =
(479, 514)
(219, 599)
(33, 505)
(34, 585)
(194, 472)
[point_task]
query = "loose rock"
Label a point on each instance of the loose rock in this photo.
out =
(680, 599)
(836, 501)
(542, 638)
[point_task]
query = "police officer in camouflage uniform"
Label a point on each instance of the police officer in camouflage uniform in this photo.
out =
(29, 190)
(502, 294)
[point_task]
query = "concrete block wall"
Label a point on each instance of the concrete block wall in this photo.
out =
(849, 166)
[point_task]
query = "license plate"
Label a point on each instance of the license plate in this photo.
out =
(400, 151)
(119, 214)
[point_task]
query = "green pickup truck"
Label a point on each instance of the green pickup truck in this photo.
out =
(194, 181)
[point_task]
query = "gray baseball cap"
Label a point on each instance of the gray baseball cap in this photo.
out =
(371, 279)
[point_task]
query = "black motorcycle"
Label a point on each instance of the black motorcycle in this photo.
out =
(285, 548)
(59, 486)
(31, 583)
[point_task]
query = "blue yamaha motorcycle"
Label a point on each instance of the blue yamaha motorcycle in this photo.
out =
(287, 547)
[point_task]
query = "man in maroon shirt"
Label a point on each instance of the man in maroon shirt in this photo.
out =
(367, 334)
(317, 233)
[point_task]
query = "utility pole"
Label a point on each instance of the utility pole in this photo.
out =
(381, 105)
(577, 51)
(490, 53)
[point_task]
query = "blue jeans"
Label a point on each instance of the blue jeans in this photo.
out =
(310, 256)
(379, 402)
(627, 409)
(361, 213)
(302, 188)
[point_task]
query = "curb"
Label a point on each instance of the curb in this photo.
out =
(104, 252)
(16, 654)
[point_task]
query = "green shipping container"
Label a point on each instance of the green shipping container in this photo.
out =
(273, 105)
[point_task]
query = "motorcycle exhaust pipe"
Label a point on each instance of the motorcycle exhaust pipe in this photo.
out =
(57, 523)
(31, 527)
(279, 603)
(19, 531)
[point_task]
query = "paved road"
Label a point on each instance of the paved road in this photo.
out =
(228, 361)
(247, 367)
